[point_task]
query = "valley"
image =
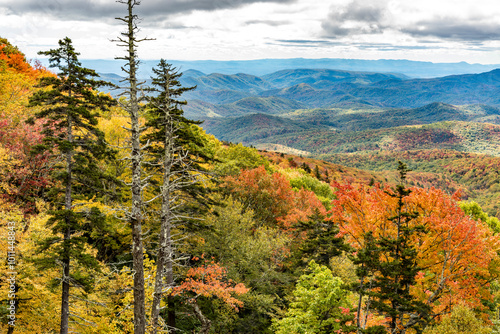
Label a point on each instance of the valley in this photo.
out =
(446, 129)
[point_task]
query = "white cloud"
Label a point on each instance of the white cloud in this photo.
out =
(444, 30)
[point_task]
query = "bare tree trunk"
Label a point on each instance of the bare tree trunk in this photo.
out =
(177, 174)
(205, 322)
(136, 213)
(129, 41)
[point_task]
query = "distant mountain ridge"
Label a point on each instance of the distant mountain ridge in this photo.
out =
(316, 88)
(259, 67)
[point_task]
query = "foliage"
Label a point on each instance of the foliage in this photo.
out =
(71, 135)
(450, 270)
(252, 255)
(444, 169)
(233, 158)
(272, 198)
(387, 268)
(461, 320)
(319, 304)
(26, 175)
(209, 280)
(476, 212)
(321, 189)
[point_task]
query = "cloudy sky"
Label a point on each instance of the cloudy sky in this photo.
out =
(428, 30)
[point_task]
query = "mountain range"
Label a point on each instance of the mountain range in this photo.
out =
(337, 111)
(447, 129)
(259, 67)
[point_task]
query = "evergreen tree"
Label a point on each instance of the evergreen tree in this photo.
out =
(306, 168)
(169, 149)
(387, 269)
(316, 173)
(322, 242)
(71, 104)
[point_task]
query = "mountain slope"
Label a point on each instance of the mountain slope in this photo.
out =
(238, 82)
(483, 88)
(368, 117)
(200, 110)
(247, 129)
(322, 78)
(459, 136)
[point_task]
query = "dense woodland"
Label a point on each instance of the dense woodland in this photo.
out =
(129, 218)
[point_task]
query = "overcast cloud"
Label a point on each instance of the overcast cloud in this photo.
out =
(357, 17)
(434, 30)
(361, 17)
(97, 9)
(450, 28)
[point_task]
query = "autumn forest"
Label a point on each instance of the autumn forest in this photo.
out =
(121, 214)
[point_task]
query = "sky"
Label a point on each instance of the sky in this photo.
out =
(425, 30)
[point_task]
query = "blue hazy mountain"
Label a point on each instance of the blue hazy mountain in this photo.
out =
(415, 69)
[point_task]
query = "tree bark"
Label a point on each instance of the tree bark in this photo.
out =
(165, 252)
(135, 219)
(67, 235)
(205, 322)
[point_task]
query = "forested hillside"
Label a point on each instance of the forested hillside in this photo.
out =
(123, 215)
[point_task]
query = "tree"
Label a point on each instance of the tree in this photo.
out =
(71, 105)
(440, 240)
(131, 105)
(390, 263)
(319, 305)
(254, 256)
(316, 173)
(173, 162)
(209, 280)
(476, 212)
(461, 320)
(28, 177)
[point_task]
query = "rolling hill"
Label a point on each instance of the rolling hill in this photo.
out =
(250, 128)
(320, 88)
(460, 136)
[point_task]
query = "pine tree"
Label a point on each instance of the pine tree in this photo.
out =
(173, 161)
(387, 267)
(316, 173)
(327, 176)
(70, 109)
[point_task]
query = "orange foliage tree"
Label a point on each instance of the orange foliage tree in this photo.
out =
(209, 281)
(272, 198)
(299, 214)
(450, 269)
(17, 81)
(29, 176)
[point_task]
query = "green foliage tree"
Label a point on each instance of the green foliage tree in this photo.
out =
(71, 104)
(319, 305)
(234, 158)
(321, 189)
(321, 243)
(476, 212)
(306, 167)
(316, 173)
(254, 256)
(462, 320)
